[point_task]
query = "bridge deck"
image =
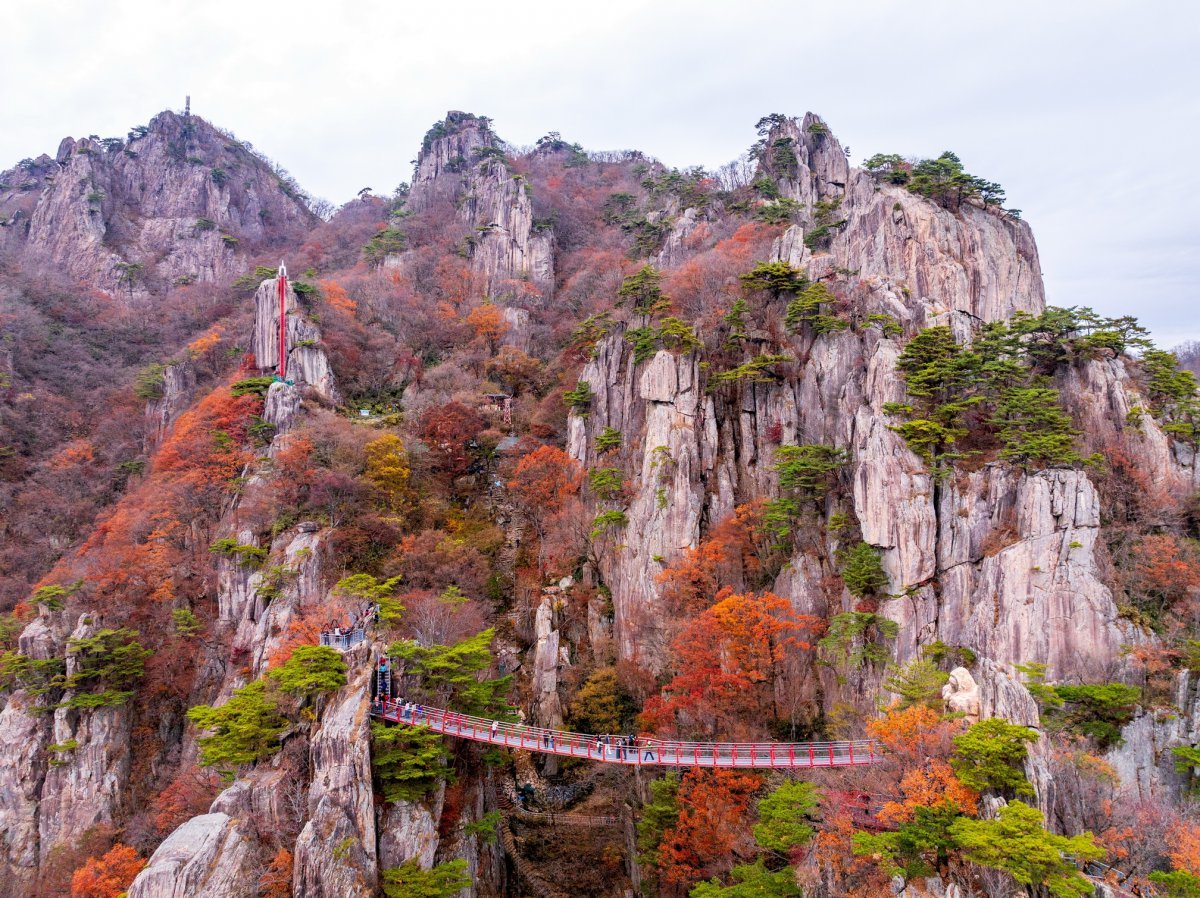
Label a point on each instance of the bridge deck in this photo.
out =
(647, 752)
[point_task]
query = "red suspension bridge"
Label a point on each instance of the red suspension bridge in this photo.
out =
(641, 751)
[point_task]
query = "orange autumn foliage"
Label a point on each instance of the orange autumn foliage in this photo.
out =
(728, 661)
(189, 794)
(74, 454)
(933, 784)
(1166, 570)
(107, 876)
(544, 480)
(710, 832)
(835, 864)
(300, 632)
(488, 323)
(137, 551)
(336, 296)
(913, 734)
(732, 553)
(207, 341)
(276, 881)
(1183, 844)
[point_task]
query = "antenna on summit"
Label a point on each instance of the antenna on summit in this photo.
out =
(187, 106)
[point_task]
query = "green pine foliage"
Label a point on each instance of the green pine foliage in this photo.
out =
(785, 816)
(105, 668)
(775, 278)
(916, 848)
(1096, 710)
(366, 588)
(1173, 397)
(250, 556)
(612, 519)
(389, 241)
(751, 881)
(608, 440)
(825, 224)
(919, 682)
(606, 483)
(856, 639)
(736, 319)
(643, 291)
(245, 729)
(186, 623)
(996, 390)
(671, 333)
(809, 310)
(760, 369)
(1176, 884)
(1018, 843)
(408, 762)
(990, 755)
(1034, 430)
(148, 384)
(942, 180)
(659, 815)
(311, 670)
(862, 572)
(256, 386)
(440, 881)
(453, 676)
(579, 398)
(809, 471)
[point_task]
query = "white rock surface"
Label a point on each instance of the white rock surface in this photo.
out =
(207, 857)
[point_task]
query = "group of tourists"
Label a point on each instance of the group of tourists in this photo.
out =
(349, 636)
(625, 748)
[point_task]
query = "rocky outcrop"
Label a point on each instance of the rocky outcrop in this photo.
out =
(667, 424)
(22, 733)
(306, 361)
(176, 393)
(86, 784)
(979, 262)
(463, 161)
(961, 694)
(996, 560)
(335, 854)
(408, 832)
(546, 702)
(180, 203)
(209, 856)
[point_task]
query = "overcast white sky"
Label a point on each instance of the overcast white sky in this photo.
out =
(1087, 112)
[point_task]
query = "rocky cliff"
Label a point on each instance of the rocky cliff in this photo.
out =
(260, 501)
(178, 202)
(463, 161)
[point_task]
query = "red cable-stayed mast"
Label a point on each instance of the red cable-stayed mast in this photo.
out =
(282, 322)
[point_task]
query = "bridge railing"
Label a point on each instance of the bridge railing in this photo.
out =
(345, 640)
(644, 750)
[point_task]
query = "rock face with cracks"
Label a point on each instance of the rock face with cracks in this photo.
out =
(179, 203)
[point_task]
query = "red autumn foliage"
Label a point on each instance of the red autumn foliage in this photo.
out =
(710, 834)
(730, 661)
(733, 554)
(1166, 573)
(448, 429)
(188, 794)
